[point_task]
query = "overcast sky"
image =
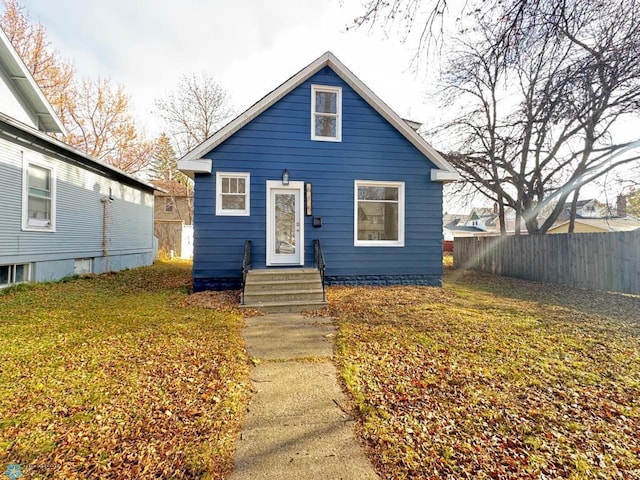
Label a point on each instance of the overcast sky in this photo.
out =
(250, 46)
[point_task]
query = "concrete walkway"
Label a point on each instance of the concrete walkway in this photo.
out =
(294, 428)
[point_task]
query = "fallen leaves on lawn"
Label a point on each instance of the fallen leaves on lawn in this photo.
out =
(492, 377)
(223, 301)
(113, 377)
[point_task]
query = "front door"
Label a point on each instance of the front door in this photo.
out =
(285, 224)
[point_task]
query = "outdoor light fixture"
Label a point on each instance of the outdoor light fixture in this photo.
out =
(285, 177)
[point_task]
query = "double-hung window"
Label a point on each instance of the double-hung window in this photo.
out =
(38, 197)
(326, 113)
(379, 214)
(232, 193)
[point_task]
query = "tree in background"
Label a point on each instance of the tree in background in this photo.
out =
(99, 123)
(164, 173)
(164, 167)
(53, 75)
(94, 112)
(194, 110)
(540, 87)
(633, 203)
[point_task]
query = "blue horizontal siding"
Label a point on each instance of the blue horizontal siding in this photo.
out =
(371, 149)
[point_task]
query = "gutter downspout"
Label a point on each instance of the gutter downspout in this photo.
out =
(106, 201)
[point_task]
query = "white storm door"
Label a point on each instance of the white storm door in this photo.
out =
(285, 224)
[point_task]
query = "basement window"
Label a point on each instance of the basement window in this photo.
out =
(12, 274)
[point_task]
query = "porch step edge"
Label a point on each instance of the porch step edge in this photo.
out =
(275, 271)
(251, 281)
(296, 291)
(277, 307)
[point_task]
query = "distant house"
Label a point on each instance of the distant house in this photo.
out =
(173, 218)
(596, 225)
(63, 212)
(589, 208)
(479, 222)
(320, 160)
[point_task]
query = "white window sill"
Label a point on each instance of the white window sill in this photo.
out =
(378, 244)
(232, 214)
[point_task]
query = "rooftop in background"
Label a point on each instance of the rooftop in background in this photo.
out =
(604, 224)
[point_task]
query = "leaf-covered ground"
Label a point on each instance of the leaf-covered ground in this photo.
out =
(493, 378)
(117, 376)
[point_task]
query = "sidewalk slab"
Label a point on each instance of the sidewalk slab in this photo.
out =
(295, 427)
(277, 337)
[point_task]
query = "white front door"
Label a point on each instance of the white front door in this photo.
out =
(285, 223)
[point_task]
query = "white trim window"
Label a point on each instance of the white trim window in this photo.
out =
(232, 194)
(38, 196)
(379, 214)
(326, 113)
(12, 274)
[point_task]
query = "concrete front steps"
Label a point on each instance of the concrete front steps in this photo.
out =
(283, 290)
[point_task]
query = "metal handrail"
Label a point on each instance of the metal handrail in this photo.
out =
(318, 261)
(246, 263)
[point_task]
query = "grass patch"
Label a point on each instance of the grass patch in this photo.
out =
(492, 377)
(117, 376)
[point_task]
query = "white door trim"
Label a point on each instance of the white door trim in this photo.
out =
(271, 257)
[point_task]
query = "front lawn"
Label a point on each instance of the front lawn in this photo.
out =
(118, 377)
(493, 377)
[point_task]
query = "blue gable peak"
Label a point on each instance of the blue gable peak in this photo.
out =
(193, 162)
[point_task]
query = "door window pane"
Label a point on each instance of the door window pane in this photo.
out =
(285, 218)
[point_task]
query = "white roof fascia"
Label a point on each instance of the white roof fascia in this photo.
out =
(256, 109)
(189, 167)
(444, 175)
(88, 162)
(28, 88)
(448, 172)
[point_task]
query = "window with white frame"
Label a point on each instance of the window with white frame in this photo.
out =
(38, 196)
(168, 205)
(12, 274)
(232, 193)
(379, 214)
(326, 113)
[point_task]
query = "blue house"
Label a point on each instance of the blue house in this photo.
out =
(318, 162)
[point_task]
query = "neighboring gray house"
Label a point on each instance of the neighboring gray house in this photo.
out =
(63, 212)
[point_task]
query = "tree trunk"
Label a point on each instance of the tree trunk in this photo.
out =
(572, 213)
(503, 225)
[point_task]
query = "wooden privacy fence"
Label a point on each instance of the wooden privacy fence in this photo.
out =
(601, 261)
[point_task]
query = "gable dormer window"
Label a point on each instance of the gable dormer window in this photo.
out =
(326, 113)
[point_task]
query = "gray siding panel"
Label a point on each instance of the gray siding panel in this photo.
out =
(80, 221)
